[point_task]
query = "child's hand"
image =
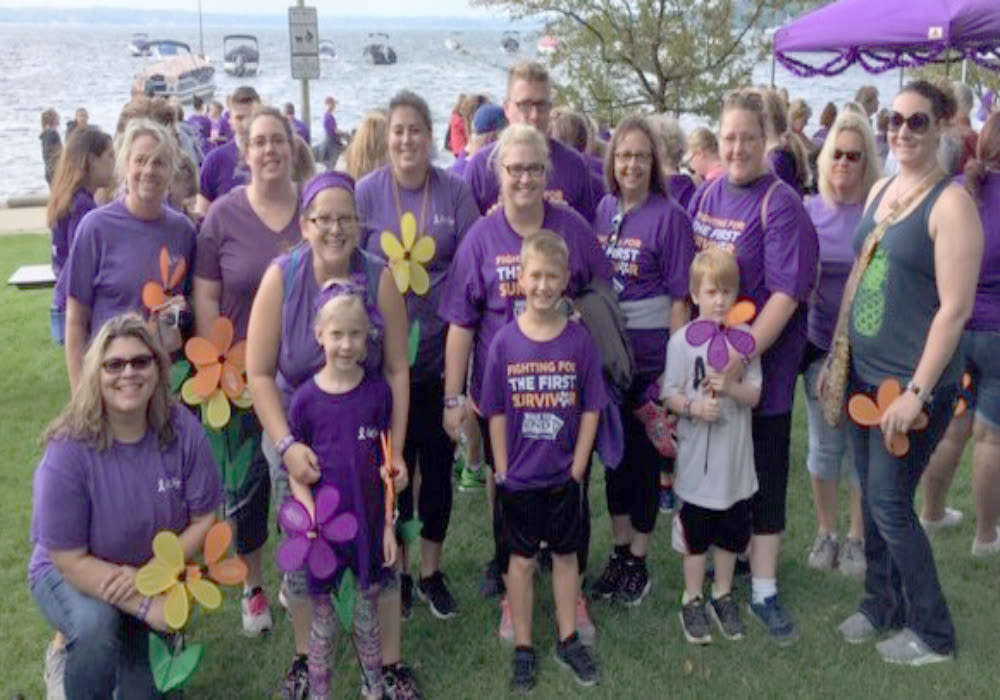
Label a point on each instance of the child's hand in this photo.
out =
(400, 474)
(719, 382)
(156, 618)
(452, 419)
(578, 474)
(706, 409)
(390, 548)
(302, 464)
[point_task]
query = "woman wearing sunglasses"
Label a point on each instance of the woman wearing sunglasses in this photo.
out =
(920, 245)
(848, 166)
(122, 462)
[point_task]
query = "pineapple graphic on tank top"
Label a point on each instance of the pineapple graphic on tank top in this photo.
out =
(869, 304)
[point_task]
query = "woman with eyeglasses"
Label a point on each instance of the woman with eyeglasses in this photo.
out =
(757, 217)
(122, 462)
(243, 231)
(283, 352)
(848, 165)
(920, 245)
(482, 295)
(647, 238)
(414, 216)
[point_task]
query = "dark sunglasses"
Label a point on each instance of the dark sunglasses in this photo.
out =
(117, 365)
(918, 122)
(852, 156)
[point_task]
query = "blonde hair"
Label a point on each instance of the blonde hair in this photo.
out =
(528, 71)
(848, 120)
(166, 149)
(520, 135)
(336, 305)
(369, 147)
(702, 139)
(545, 244)
(669, 139)
(715, 265)
(85, 418)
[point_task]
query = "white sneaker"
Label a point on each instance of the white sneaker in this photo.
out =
(256, 614)
(952, 518)
(984, 549)
(55, 672)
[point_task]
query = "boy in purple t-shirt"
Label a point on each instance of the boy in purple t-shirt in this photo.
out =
(542, 393)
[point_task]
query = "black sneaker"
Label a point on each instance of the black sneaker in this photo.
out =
(491, 585)
(572, 654)
(694, 622)
(726, 614)
(609, 583)
(406, 595)
(524, 670)
(433, 591)
(635, 584)
(296, 683)
(399, 682)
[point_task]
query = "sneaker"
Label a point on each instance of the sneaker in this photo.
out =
(491, 584)
(908, 649)
(668, 501)
(571, 653)
(857, 629)
(952, 518)
(609, 583)
(472, 479)
(636, 583)
(296, 683)
(984, 549)
(459, 461)
(772, 614)
(852, 559)
(283, 595)
(694, 622)
(726, 614)
(523, 670)
(823, 555)
(584, 625)
(399, 682)
(506, 631)
(433, 591)
(55, 672)
(406, 595)
(256, 613)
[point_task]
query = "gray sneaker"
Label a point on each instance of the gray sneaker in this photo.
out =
(823, 555)
(908, 649)
(726, 614)
(694, 622)
(857, 629)
(851, 561)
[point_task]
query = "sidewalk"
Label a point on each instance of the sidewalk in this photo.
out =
(23, 220)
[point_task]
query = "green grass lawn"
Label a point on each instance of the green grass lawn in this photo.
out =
(641, 651)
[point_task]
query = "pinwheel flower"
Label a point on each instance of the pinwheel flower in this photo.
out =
(408, 258)
(168, 573)
(720, 336)
(868, 413)
(966, 395)
(308, 543)
(156, 294)
(219, 376)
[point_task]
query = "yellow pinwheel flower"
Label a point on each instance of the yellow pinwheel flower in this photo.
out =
(168, 573)
(408, 258)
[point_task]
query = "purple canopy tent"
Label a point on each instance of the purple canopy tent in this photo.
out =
(881, 35)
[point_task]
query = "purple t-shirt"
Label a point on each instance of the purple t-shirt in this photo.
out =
(450, 211)
(220, 132)
(223, 170)
(330, 125)
(234, 248)
(569, 181)
(986, 312)
(596, 165)
(115, 254)
(482, 293)
(460, 166)
(784, 165)
(835, 226)
(651, 261)
(202, 126)
(114, 502)
(62, 240)
(343, 430)
(681, 188)
(782, 258)
(543, 388)
(301, 128)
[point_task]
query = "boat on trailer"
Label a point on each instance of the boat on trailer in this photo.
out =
(179, 73)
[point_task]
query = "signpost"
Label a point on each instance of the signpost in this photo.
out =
(303, 42)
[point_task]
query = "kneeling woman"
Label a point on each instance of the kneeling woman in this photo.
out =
(121, 463)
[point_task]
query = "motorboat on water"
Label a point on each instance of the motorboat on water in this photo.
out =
(138, 45)
(510, 42)
(378, 51)
(179, 73)
(327, 51)
(548, 44)
(241, 55)
(452, 43)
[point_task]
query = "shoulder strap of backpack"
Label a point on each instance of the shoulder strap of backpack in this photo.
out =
(294, 261)
(766, 201)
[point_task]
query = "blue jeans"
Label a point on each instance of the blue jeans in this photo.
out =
(107, 651)
(901, 582)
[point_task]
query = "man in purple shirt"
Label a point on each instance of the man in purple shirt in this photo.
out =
(299, 126)
(529, 100)
(223, 168)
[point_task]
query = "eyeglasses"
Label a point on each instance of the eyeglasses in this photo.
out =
(326, 223)
(918, 122)
(117, 365)
(276, 140)
(518, 170)
(852, 156)
(629, 156)
(525, 106)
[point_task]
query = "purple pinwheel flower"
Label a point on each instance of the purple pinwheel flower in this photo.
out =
(720, 336)
(310, 543)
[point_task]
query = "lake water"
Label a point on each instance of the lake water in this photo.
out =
(86, 65)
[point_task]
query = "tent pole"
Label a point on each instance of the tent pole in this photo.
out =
(772, 69)
(965, 69)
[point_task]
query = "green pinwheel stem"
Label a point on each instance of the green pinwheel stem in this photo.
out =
(344, 598)
(172, 670)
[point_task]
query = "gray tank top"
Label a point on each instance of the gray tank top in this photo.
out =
(897, 297)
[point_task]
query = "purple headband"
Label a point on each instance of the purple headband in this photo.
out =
(355, 286)
(324, 181)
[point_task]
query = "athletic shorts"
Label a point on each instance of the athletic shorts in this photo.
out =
(696, 528)
(552, 515)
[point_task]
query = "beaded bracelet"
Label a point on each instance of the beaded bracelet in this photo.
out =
(144, 608)
(283, 445)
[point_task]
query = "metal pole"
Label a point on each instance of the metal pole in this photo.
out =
(305, 90)
(772, 68)
(900, 77)
(201, 33)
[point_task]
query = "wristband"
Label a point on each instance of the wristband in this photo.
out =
(918, 392)
(454, 401)
(283, 444)
(499, 477)
(144, 609)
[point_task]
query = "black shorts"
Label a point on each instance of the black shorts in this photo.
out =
(728, 529)
(531, 516)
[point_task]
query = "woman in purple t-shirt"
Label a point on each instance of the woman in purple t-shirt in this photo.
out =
(122, 463)
(243, 232)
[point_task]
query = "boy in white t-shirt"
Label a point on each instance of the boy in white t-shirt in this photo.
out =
(715, 475)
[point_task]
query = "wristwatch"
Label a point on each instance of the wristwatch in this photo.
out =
(924, 396)
(454, 401)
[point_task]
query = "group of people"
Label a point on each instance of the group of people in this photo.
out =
(396, 310)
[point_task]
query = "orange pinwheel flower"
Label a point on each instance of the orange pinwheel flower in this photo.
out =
(868, 413)
(743, 311)
(220, 368)
(156, 294)
(965, 395)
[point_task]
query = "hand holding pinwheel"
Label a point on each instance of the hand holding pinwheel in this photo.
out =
(721, 336)
(890, 412)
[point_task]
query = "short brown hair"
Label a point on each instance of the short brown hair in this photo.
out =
(529, 71)
(244, 95)
(548, 245)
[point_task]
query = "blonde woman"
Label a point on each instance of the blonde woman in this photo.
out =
(368, 149)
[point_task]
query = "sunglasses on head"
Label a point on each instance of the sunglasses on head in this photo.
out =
(117, 365)
(918, 122)
(852, 156)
